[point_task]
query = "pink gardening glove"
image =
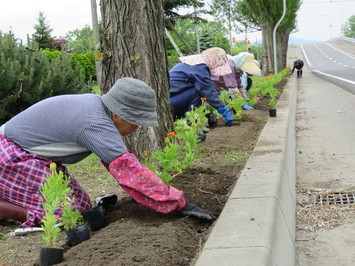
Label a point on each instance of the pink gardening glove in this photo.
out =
(145, 187)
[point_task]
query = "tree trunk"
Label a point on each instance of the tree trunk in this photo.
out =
(268, 53)
(134, 46)
(282, 48)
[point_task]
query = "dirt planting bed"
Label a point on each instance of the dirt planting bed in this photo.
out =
(136, 235)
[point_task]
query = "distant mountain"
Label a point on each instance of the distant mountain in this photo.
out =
(295, 40)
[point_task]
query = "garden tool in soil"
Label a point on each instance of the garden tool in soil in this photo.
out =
(30, 230)
(192, 210)
(228, 119)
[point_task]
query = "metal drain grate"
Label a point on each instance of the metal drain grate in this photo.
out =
(335, 198)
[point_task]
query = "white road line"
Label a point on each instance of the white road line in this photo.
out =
(340, 51)
(334, 61)
(342, 79)
(305, 56)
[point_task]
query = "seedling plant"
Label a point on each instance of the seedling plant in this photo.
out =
(55, 193)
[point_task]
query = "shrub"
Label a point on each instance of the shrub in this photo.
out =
(28, 76)
(85, 62)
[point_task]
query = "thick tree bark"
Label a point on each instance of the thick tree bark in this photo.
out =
(134, 46)
(282, 42)
(267, 49)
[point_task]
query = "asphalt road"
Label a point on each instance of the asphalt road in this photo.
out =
(334, 62)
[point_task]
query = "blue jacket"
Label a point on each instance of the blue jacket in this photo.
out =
(188, 84)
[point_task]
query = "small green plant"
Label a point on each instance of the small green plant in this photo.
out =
(53, 192)
(224, 96)
(71, 218)
(181, 148)
(134, 58)
(273, 92)
(169, 160)
(188, 138)
(237, 104)
(253, 93)
(197, 116)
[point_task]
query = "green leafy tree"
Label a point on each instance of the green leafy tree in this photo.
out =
(266, 14)
(81, 41)
(43, 32)
(348, 29)
(224, 11)
(171, 5)
(172, 17)
(217, 33)
(206, 39)
(212, 34)
(186, 29)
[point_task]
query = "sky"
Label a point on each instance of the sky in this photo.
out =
(318, 20)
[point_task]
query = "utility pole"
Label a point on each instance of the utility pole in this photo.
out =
(197, 32)
(274, 36)
(246, 37)
(97, 45)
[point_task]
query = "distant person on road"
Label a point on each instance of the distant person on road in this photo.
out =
(298, 64)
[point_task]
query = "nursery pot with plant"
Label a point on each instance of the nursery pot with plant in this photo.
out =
(51, 256)
(53, 191)
(73, 223)
(78, 234)
(212, 119)
(273, 92)
(96, 218)
(272, 112)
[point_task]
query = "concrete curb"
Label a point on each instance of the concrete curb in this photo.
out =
(257, 224)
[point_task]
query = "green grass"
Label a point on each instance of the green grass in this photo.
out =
(93, 176)
(96, 89)
(237, 156)
(91, 165)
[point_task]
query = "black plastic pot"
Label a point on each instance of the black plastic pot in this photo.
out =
(212, 119)
(201, 137)
(78, 234)
(95, 217)
(107, 202)
(50, 256)
(272, 112)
